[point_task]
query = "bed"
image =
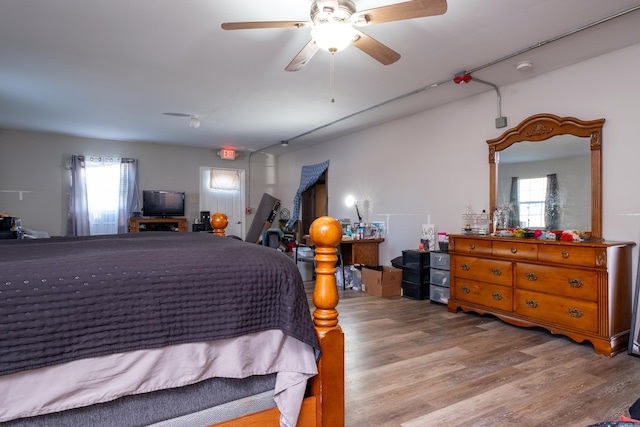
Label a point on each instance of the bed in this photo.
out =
(150, 329)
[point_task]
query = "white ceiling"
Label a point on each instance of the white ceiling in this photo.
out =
(111, 68)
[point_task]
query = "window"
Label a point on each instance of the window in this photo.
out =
(531, 202)
(103, 192)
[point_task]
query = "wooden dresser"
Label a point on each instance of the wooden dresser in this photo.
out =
(581, 290)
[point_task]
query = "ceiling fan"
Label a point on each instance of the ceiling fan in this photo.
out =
(332, 27)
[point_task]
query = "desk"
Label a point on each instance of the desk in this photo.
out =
(361, 251)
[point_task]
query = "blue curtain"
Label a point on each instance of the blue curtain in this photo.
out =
(514, 204)
(552, 203)
(309, 176)
(78, 215)
(128, 200)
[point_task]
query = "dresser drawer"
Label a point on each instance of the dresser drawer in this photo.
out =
(438, 294)
(559, 310)
(485, 270)
(439, 260)
(515, 250)
(569, 282)
(571, 255)
(439, 277)
(486, 294)
(416, 275)
(472, 246)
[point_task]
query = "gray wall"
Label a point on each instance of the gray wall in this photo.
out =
(35, 162)
(440, 156)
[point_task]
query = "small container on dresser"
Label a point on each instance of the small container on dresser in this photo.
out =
(439, 277)
(415, 274)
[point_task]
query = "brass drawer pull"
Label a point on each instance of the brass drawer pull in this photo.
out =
(496, 271)
(472, 246)
(574, 312)
(532, 277)
(496, 296)
(565, 254)
(531, 303)
(575, 283)
(465, 290)
(514, 249)
(465, 267)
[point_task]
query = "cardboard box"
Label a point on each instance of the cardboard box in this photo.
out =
(382, 281)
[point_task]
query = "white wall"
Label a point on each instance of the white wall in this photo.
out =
(443, 161)
(35, 162)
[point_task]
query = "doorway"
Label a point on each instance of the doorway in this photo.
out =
(314, 203)
(222, 190)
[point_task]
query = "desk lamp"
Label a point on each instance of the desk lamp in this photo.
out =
(351, 201)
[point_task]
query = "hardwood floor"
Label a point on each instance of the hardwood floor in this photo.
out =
(412, 364)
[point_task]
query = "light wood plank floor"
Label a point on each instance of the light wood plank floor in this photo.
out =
(412, 364)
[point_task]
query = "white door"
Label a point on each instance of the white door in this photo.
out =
(224, 193)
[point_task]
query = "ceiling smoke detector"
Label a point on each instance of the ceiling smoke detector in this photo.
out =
(524, 65)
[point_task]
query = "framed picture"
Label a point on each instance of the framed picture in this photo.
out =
(429, 234)
(378, 229)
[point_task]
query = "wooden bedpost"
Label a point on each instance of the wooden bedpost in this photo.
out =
(219, 222)
(328, 385)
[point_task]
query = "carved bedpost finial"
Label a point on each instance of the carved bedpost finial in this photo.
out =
(219, 222)
(326, 233)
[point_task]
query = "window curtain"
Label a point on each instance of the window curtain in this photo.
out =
(78, 215)
(78, 223)
(308, 177)
(221, 179)
(128, 200)
(551, 203)
(514, 204)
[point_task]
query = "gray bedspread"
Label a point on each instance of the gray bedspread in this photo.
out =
(68, 298)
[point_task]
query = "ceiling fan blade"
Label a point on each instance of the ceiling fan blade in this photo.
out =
(400, 11)
(303, 57)
(375, 49)
(264, 24)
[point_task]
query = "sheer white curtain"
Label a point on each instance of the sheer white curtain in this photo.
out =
(103, 193)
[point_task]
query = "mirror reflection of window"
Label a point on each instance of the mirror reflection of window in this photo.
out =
(531, 201)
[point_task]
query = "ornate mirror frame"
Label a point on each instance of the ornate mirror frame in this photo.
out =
(541, 127)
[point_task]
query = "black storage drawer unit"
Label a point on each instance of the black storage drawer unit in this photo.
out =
(413, 290)
(417, 275)
(414, 258)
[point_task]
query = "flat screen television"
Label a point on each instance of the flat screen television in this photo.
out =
(162, 203)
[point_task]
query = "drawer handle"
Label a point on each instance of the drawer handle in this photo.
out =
(496, 271)
(514, 249)
(565, 254)
(465, 267)
(472, 246)
(531, 303)
(465, 290)
(496, 296)
(574, 312)
(532, 277)
(575, 283)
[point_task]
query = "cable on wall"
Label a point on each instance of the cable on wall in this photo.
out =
(481, 67)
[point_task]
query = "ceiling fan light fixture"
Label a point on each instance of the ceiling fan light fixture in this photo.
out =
(333, 36)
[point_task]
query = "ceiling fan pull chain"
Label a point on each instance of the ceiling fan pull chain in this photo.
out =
(331, 73)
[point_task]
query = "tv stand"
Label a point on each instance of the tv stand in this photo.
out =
(157, 224)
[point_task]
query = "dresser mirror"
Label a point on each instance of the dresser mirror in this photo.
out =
(560, 153)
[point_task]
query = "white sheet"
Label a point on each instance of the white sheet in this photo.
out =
(101, 379)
